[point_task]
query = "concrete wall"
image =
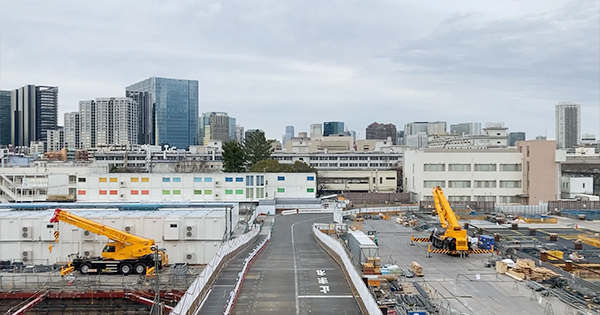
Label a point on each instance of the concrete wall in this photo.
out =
(540, 170)
(573, 186)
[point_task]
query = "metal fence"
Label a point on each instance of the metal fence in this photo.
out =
(523, 209)
(485, 207)
(573, 205)
(380, 198)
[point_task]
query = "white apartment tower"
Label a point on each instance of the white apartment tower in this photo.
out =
(72, 130)
(110, 120)
(316, 130)
(55, 139)
(568, 125)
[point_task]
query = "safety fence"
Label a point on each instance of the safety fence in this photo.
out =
(381, 210)
(334, 247)
(523, 209)
(198, 289)
(240, 279)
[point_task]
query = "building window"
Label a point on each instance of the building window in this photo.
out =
(239, 191)
(310, 190)
(310, 178)
(510, 199)
(249, 180)
(280, 178)
(249, 192)
(485, 184)
(228, 192)
(134, 179)
(239, 179)
(102, 192)
(510, 167)
(208, 179)
(208, 192)
(134, 192)
(176, 192)
(459, 184)
(459, 198)
(166, 192)
(102, 179)
(81, 179)
(485, 198)
(260, 180)
(434, 167)
(197, 191)
(510, 184)
(114, 179)
(145, 192)
(145, 179)
(166, 179)
(197, 179)
(228, 179)
(459, 167)
(434, 183)
(485, 167)
(260, 193)
(280, 190)
(114, 192)
(176, 179)
(72, 179)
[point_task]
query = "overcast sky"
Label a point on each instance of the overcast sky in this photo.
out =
(277, 63)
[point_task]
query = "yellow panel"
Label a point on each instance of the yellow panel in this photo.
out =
(145, 180)
(103, 179)
(135, 179)
(113, 180)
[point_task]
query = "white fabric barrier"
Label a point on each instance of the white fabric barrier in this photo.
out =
(236, 290)
(361, 288)
(380, 210)
(191, 294)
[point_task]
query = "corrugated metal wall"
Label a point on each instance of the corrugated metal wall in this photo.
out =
(573, 205)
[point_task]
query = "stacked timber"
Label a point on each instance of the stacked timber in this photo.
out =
(525, 269)
(416, 268)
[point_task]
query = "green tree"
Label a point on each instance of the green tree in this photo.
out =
(271, 166)
(301, 167)
(257, 148)
(234, 157)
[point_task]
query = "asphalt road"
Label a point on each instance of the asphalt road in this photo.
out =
(294, 275)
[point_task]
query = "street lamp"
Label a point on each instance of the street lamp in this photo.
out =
(156, 309)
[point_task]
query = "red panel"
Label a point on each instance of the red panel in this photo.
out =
(102, 192)
(134, 192)
(81, 192)
(145, 192)
(114, 192)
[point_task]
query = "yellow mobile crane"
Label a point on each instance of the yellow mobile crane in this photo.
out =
(124, 253)
(455, 240)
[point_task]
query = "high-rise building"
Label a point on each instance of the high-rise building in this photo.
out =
(289, 134)
(333, 128)
(34, 110)
(5, 123)
(250, 131)
(382, 132)
(464, 129)
(72, 130)
(568, 125)
(108, 120)
(214, 126)
(239, 133)
(316, 130)
(436, 128)
(513, 137)
(414, 128)
(232, 130)
(169, 110)
(55, 139)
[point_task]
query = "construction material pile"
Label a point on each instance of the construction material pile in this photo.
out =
(524, 269)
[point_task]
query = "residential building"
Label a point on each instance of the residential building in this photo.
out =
(513, 137)
(289, 134)
(87, 124)
(588, 139)
(72, 130)
(316, 130)
(109, 121)
(333, 128)
(34, 110)
(239, 133)
(568, 125)
(463, 129)
(169, 110)
(382, 132)
(214, 126)
(55, 139)
(5, 122)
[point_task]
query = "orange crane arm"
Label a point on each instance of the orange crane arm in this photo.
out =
(447, 216)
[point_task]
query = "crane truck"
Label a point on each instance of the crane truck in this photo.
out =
(454, 241)
(124, 253)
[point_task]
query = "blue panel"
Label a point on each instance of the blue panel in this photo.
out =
(310, 178)
(197, 179)
(281, 178)
(208, 179)
(176, 179)
(239, 179)
(166, 179)
(229, 179)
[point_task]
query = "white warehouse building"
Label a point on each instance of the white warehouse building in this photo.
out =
(190, 236)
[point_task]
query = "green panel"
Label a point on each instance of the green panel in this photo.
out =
(176, 192)
(280, 189)
(198, 192)
(239, 192)
(166, 192)
(208, 192)
(310, 190)
(228, 192)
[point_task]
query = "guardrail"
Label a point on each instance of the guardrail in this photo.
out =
(191, 298)
(365, 296)
(238, 284)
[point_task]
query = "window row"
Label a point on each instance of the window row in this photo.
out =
(477, 183)
(492, 167)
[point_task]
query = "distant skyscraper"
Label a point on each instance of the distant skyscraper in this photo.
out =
(108, 120)
(568, 125)
(352, 134)
(382, 132)
(215, 127)
(169, 110)
(414, 128)
(289, 134)
(436, 128)
(239, 133)
(513, 137)
(34, 110)
(333, 128)
(232, 130)
(316, 130)
(5, 123)
(55, 139)
(463, 129)
(540, 138)
(72, 130)
(249, 131)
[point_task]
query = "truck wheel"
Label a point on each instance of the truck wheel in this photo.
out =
(140, 268)
(85, 268)
(125, 268)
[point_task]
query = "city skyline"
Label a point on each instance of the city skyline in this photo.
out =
(452, 62)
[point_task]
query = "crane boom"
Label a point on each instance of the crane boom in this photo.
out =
(445, 213)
